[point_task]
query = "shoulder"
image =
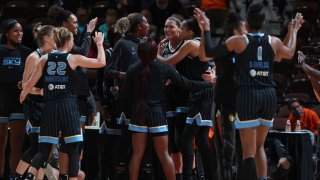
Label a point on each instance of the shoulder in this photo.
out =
(34, 55)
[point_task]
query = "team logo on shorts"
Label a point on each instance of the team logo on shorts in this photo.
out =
(253, 72)
(50, 86)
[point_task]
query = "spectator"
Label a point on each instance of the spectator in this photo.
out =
(308, 118)
(279, 162)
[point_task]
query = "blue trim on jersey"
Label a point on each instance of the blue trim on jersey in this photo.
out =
(48, 139)
(182, 110)
(35, 130)
(16, 116)
(122, 119)
(252, 123)
(72, 139)
(256, 34)
(158, 129)
(115, 132)
(269, 37)
(246, 38)
(68, 57)
(170, 114)
(199, 120)
(30, 129)
(267, 123)
(4, 119)
(83, 118)
(136, 128)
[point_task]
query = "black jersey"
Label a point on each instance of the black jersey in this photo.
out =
(254, 64)
(12, 63)
(160, 72)
(82, 83)
(168, 51)
(225, 85)
(59, 77)
(192, 67)
(123, 55)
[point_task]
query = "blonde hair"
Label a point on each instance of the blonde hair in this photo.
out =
(122, 25)
(61, 36)
(40, 31)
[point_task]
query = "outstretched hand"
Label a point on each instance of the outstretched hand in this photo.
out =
(203, 20)
(297, 22)
(92, 24)
(98, 38)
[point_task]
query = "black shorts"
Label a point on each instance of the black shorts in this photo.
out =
(10, 107)
(60, 115)
(32, 109)
(255, 107)
(153, 123)
(201, 107)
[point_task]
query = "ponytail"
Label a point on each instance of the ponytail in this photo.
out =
(147, 52)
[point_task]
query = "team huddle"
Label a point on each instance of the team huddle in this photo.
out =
(166, 94)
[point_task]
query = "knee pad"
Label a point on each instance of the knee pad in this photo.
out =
(63, 177)
(42, 156)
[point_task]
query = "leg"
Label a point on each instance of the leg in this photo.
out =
(239, 158)
(72, 150)
(161, 146)
(63, 163)
(3, 144)
(29, 154)
(260, 157)
(139, 141)
(202, 142)
(229, 140)
(248, 141)
(39, 159)
(185, 143)
(17, 130)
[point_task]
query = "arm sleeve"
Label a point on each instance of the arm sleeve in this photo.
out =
(184, 82)
(214, 50)
(84, 48)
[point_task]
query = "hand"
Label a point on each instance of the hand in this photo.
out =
(161, 46)
(23, 96)
(297, 22)
(209, 76)
(98, 38)
(92, 25)
(122, 75)
(284, 162)
(203, 21)
(19, 85)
